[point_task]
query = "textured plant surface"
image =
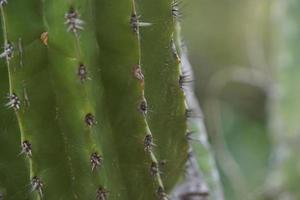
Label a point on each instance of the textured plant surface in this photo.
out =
(95, 107)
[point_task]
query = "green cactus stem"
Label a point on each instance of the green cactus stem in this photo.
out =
(100, 113)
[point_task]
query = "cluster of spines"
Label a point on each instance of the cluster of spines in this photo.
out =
(26, 148)
(73, 21)
(13, 101)
(176, 9)
(96, 160)
(90, 120)
(37, 185)
(8, 51)
(135, 22)
(82, 73)
(102, 193)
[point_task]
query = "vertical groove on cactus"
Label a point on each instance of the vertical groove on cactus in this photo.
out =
(75, 24)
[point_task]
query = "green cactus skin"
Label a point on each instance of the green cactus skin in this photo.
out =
(165, 94)
(102, 115)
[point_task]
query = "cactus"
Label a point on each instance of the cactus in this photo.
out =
(96, 110)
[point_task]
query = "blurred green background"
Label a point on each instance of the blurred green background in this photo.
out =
(246, 59)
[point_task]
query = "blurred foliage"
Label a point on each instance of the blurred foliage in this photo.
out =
(285, 113)
(229, 46)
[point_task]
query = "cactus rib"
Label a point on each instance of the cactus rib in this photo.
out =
(10, 84)
(153, 158)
